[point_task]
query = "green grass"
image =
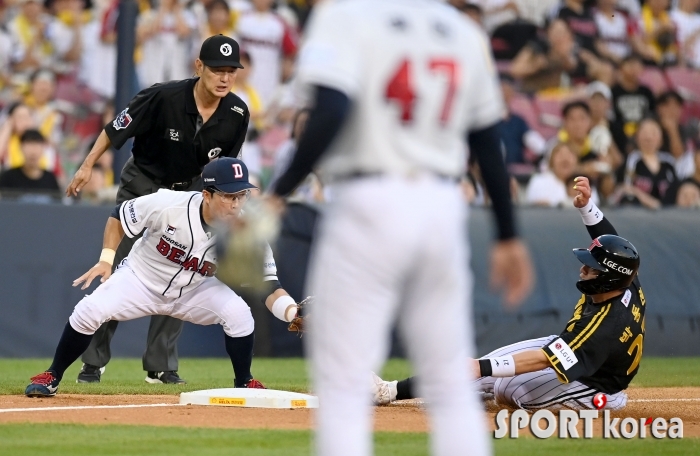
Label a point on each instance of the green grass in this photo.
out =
(586, 447)
(666, 372)
(71, 439)
(125, 375)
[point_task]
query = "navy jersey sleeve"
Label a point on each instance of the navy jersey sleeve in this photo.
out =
(486, 146)
(135, 119)
(584, 345)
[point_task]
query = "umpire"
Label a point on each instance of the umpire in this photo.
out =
(178, 127)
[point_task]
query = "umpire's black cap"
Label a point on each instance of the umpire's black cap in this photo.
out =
(226, 174)
(220, 51)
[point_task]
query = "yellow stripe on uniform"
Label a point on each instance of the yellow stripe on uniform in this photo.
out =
(585, 334)
(553, 360)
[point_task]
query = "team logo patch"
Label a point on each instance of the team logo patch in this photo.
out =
(226, 49)
(238, 110)
(173, 135)
(213, 153)
(170, 230)
(122, 121)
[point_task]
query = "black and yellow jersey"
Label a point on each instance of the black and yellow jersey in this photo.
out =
(602, 344)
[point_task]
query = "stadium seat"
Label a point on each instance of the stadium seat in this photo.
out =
(549, 114)
(687, 83)
(654, 78)
(521, 105)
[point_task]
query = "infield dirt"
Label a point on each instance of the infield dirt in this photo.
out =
(404, 416)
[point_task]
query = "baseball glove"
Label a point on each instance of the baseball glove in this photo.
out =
(297, 324)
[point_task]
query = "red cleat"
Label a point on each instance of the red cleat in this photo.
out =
(255, 384)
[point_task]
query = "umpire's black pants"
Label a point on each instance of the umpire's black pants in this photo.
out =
(163, 331)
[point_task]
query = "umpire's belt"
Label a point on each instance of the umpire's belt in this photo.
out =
(169, 185)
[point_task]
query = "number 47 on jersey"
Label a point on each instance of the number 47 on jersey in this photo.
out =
(401, 87)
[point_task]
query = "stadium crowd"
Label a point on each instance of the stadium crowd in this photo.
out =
(603, 88)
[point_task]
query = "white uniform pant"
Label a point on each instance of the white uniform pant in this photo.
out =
(541, 389)
(124, 297)
(393, 248)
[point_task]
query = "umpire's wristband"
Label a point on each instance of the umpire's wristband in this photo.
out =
(501, 366)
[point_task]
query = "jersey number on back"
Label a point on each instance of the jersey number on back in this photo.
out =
(401, 88)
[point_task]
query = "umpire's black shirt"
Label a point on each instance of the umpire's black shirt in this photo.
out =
(169, 146)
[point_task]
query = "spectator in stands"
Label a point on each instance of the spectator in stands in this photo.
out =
(600, 136)
(41, 101)
(492, 13)
(687, 21)
(632, 101)
(659, 32)
(536, 11)
(676, 141)
(269, 40)
(619, 33)
(516, 134)
(575, 133)
(633, 8)
(9, 55)
(65, 31)
(551, 187)
(99, 63)
(473, 11)
(19, 119)
(30, 176)
(688, 195)
(164, 38)
(243, 88)
(28, 31)
(219, 20)
(580, 20)
(650, 178)
(555, 60)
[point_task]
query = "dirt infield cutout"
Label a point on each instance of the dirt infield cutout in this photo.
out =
(402, 417)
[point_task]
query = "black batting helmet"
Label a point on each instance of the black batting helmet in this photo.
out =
(616, 259)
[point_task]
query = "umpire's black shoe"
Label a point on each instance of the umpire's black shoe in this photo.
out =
(90, 374)
(170, 377)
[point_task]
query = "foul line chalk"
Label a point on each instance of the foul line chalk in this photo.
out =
(95, 407)
(85, 407)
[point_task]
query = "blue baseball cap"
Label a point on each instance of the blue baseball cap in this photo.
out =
(226, 174)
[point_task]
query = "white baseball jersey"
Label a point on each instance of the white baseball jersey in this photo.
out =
(175, 252)
(415, 96)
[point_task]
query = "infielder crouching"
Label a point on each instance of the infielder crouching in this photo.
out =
(599, 350)
(170, 271)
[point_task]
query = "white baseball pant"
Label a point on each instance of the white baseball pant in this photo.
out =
(124, 297)
(393, 248)
(541, 389)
